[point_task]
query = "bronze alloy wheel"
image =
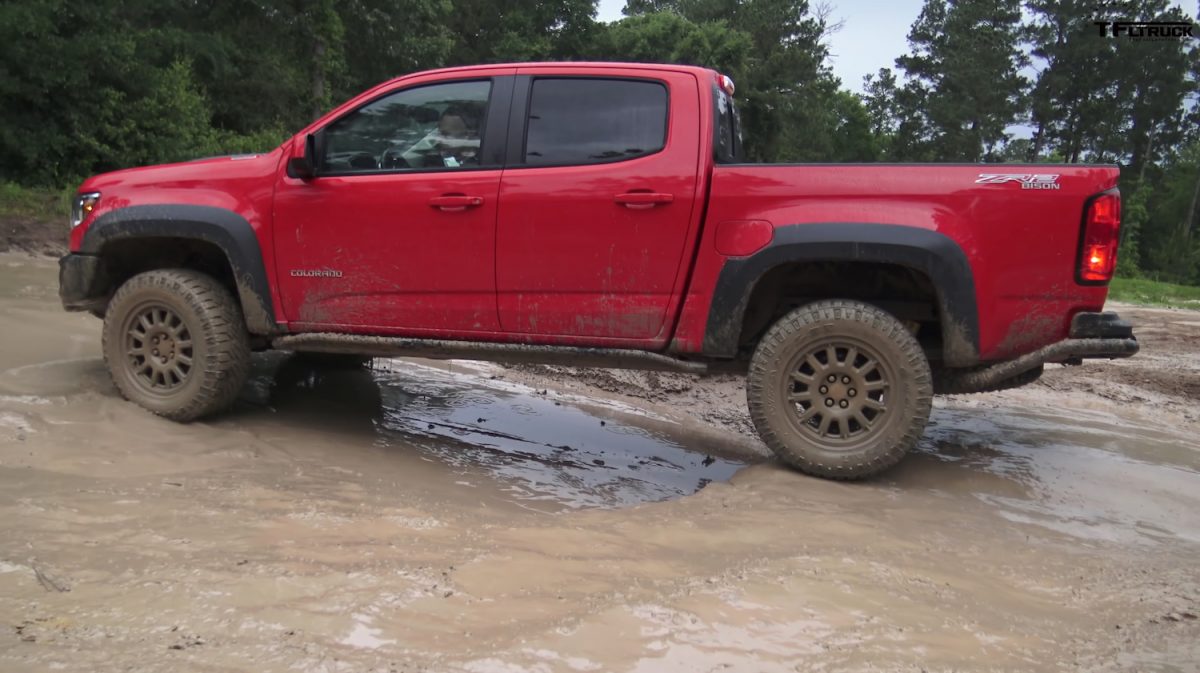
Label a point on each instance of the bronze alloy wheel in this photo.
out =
(159, 347)
(175, 343)
(839, 389)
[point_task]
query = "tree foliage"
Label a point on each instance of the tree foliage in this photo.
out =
(963, 84)
(792, 106)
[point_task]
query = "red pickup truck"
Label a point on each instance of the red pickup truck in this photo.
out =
(598, 214)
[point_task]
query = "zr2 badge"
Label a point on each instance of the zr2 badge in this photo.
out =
(1026, 180)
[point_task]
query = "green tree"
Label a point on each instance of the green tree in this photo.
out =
(78, 94)
(901, 129)
(1071, 104)
(1168, 237)
(666, 37)
(1102, 98)
(171, 122)
(843, 126)
(393, 37)
(963, 87)
(1155, 86)
(788, 95)
(493, 31)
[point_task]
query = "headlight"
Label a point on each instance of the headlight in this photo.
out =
(83, 206)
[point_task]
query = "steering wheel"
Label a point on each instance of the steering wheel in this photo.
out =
(362, 161)
(391, 158)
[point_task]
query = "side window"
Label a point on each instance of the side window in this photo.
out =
(588, 121)
(435, 126)
(728, 141)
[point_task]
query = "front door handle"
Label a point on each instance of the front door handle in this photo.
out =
(643, 200)
(455, 202)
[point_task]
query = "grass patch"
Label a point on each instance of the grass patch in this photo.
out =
(1154, 293)
(34, 203)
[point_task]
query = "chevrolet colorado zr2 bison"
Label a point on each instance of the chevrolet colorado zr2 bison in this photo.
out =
(597, 214)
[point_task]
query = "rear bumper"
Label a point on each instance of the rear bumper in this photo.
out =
(1092, 335)
(1106, 325)
(82, 282)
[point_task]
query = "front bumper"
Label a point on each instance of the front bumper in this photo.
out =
(82, 282)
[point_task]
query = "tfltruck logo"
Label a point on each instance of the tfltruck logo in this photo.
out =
(1147, 30)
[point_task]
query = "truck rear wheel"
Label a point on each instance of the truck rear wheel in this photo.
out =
(175, 343)
(839, 389)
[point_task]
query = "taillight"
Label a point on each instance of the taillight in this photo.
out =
(1101, 234)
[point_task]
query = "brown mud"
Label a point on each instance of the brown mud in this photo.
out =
(424, 516)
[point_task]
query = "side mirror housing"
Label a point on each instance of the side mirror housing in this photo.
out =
(303, 162)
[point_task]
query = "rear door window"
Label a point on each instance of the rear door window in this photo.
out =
(575, 121)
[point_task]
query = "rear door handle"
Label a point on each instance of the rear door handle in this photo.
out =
(643, 200)
(455, 202)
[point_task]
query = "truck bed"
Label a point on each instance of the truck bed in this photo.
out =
(1018, 225)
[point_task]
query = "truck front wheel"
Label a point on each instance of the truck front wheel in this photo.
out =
(839, 389)
(175, 343)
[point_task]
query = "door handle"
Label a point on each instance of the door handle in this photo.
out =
(643, 200)
(455, 202)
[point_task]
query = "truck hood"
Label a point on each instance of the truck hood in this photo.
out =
(231, 167)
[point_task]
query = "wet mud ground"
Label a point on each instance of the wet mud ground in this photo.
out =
(425, 516)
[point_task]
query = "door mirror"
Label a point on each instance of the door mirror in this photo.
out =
(303, 163)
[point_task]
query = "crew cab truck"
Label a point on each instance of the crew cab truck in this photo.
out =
(598, 214)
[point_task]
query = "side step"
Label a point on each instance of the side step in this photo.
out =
(437, 349)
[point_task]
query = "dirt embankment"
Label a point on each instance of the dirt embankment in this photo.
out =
(34, 235)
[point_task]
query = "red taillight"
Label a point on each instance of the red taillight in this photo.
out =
(1101, 234)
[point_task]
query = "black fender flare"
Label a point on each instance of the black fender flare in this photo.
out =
(224, 228)
(929, 252)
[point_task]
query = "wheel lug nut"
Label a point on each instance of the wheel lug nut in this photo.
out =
(831, 378)
(852, 392)
(843, 404)
(824, 389)
(845, 379)
(829, 401)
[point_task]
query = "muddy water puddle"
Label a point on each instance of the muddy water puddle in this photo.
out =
(535, 447)
(541, 447)
(1084, 474)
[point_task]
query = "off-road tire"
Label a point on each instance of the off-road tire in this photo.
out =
(203, 324)
(892, 373)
